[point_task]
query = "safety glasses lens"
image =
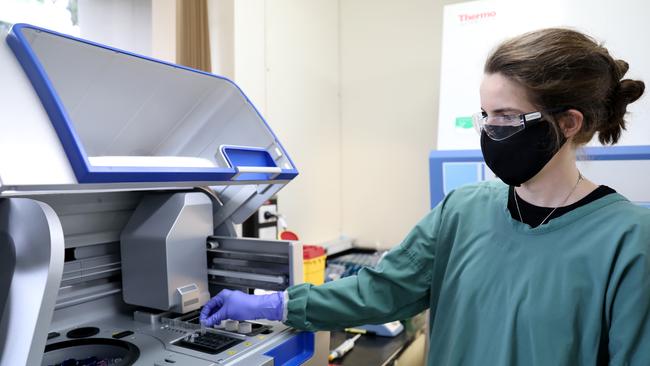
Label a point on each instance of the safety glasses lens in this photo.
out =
(496, 128)
(499, 132)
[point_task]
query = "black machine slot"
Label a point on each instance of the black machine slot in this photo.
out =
(259, 328)
(192, 317)
(123, 334)
(249, 263)
(249, 266)
(257, 257)
(236, 282)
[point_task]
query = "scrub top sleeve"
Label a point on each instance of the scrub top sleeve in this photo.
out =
(629, 303)
(397, 288)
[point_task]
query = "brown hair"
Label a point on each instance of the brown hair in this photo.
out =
(562, 68)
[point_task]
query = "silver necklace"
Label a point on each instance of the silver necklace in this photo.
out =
(553, 210)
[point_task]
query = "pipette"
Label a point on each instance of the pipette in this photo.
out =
(343, 348)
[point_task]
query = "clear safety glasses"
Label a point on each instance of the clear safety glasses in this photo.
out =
(501, 127)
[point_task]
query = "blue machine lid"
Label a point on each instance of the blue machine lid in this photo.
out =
(123, 118)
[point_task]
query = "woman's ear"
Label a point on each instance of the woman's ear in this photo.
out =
(571, 122)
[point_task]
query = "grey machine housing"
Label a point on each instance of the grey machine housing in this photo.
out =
(160, 248)
(110, 252)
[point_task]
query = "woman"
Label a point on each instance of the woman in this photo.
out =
(546, 269)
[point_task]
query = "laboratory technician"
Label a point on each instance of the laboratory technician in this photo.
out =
(543, 268)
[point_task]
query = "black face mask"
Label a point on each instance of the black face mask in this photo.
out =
(521, 156)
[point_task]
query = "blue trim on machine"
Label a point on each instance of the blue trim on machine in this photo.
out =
(640, 152)
(238, 156)
(295, 351)
(247, 156)
(86, 173)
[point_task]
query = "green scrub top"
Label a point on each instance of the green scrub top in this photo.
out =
(575, 291)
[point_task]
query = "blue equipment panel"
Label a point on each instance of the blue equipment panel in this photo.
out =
(624, 168)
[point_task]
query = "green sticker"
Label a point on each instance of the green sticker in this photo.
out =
(463, 122)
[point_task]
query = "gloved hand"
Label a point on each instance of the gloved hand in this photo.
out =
(237, 305)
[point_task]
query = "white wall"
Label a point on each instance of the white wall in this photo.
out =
(250, 50)
(363, 157)
(222, 36)
(163, 25)
(287, 62)
(389, 83)
(144, 27)
(124, 24)
(302, 61)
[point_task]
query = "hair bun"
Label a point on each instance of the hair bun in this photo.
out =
(621, 67)
(630, 90)
(625, 92)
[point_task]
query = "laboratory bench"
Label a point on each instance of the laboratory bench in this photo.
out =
(372, 350)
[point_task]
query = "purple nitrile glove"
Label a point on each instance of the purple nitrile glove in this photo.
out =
(236, 305)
